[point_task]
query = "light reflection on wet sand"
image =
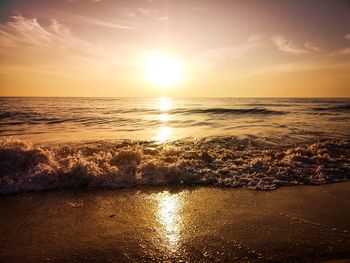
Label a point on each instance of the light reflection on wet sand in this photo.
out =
(169, 216)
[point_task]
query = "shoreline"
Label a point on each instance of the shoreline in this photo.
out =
(160, 188)
(201, 224)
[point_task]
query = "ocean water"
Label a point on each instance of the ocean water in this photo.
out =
(53, 143)
(47, 120)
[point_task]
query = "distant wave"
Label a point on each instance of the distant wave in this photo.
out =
(254, 111)
(123, 117)
(268, 104)
(18, 114)
(333, 108)
(222, 161)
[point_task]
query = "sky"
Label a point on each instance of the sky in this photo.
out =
(227, 48)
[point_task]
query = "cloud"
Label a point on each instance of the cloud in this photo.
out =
(287, 45)
(131, 15)
(106, 23)
(51, 47)
(28, 31)
(143, 11)
(215, 57)
(285, 68)
(125, 24)
(239, 50)
(345, 51)
(78, 0)
(198, 8)
(163, 18)
(311, 46)
(25, 39)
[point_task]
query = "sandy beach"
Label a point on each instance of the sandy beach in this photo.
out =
(290, 224)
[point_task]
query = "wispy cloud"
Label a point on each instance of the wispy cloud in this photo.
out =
(78, 0)
(143, 11)
(117, 23)
(130, 14)
(163, 18)
(286, 45)
(236, 51)
(311, 46)
(28, 32)
(344, 51)
(215, 57)
(108, 23)
(137, 12)
(198, 8)
(288, 67)
(35, 45)
(52, 47)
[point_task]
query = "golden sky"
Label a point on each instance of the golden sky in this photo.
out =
(236, 48)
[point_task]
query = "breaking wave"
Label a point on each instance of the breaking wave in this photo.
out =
(220, 161)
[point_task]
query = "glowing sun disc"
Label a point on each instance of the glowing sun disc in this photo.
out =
(163, 70)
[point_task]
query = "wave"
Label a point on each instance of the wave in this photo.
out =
(223, 161)
(255, 111)
(35, 116)
(333, 108)
(18, 114)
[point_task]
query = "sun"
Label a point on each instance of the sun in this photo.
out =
(163, 70)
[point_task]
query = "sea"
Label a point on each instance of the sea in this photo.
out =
(255, 143)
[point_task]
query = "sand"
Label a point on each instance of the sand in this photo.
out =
(290, 224)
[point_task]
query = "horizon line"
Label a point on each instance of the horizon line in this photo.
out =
(179, 97)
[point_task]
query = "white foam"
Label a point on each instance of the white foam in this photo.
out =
(227, 162)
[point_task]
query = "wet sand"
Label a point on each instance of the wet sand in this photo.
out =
(290, 224)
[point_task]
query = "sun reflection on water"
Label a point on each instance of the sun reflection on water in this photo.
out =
(164, 103)
(164, 131)
(164, 117)
(163, 135)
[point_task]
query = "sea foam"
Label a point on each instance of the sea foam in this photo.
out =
(220, 161)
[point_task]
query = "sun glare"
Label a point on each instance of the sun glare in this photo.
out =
(163, 70)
